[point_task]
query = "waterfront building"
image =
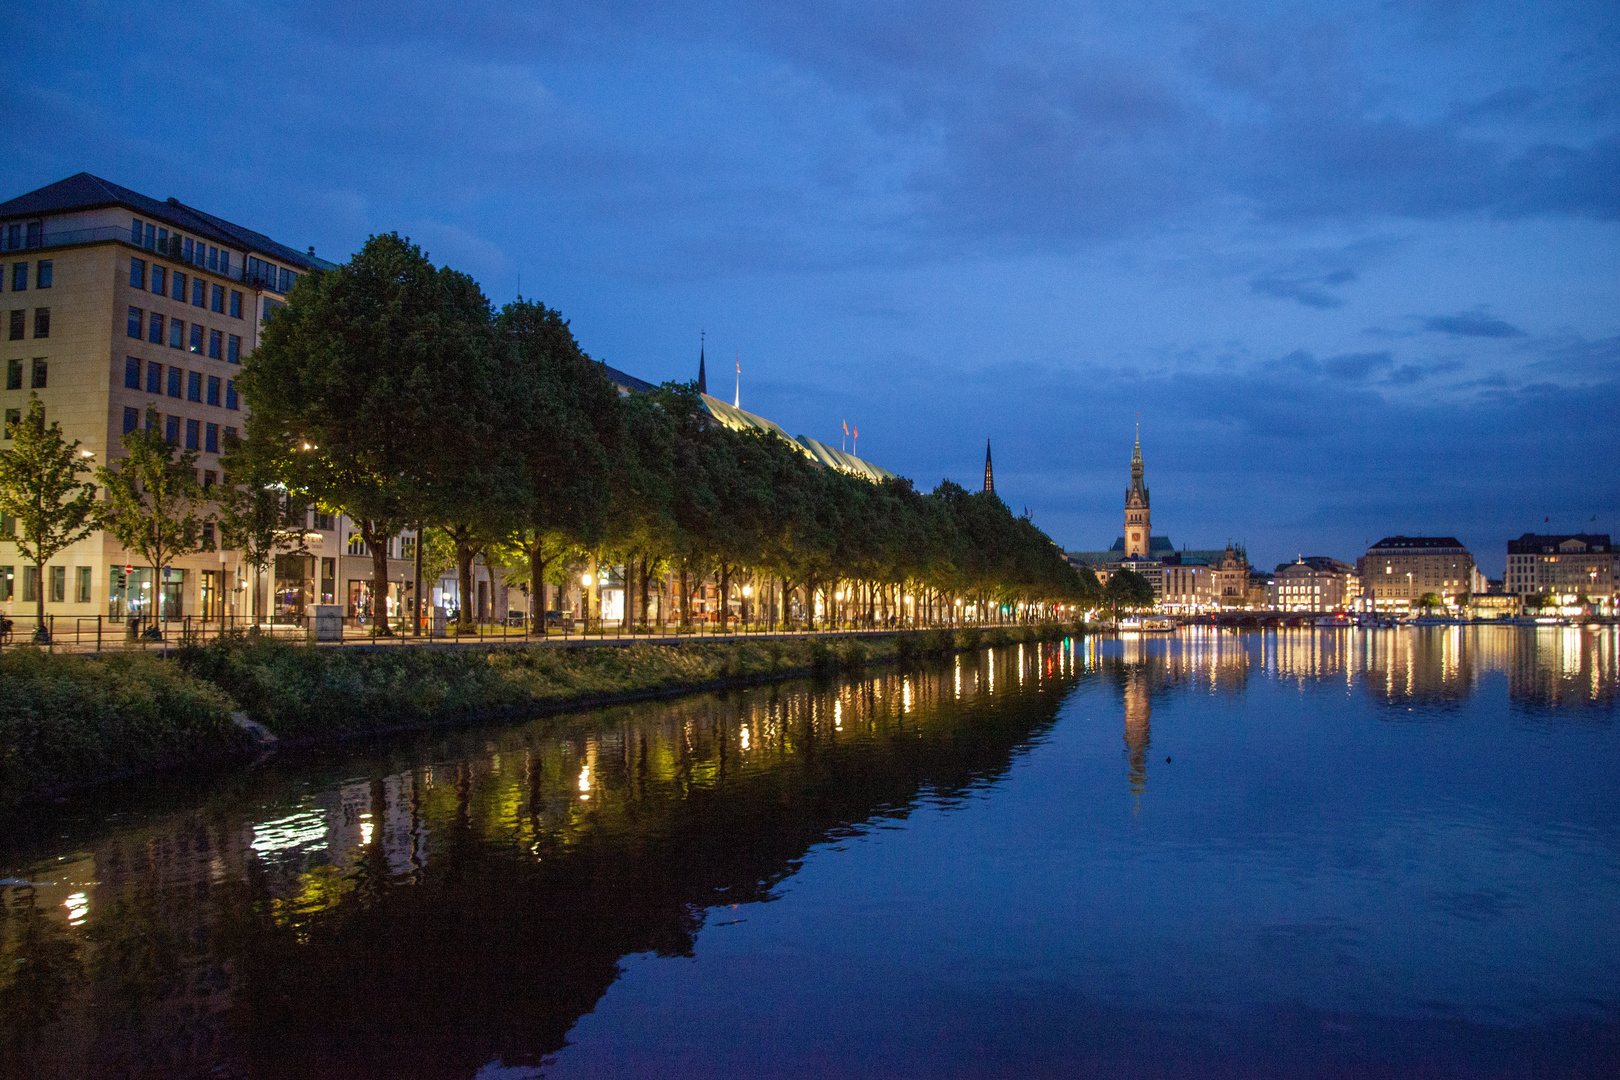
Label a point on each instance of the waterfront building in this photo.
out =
(1317, 583)
(1187, 580)
(125, 311)
(1566, 566)
(1399, 570)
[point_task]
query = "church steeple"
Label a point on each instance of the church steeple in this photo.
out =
(989, 473)
(703, 377)
(1138, 515)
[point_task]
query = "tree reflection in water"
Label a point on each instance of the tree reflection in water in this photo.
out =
(425, 920)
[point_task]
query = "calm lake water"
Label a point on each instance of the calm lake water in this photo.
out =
(1306, 853)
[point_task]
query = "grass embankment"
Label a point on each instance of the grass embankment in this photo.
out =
(68, 721)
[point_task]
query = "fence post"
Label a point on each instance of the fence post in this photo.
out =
(98, 633)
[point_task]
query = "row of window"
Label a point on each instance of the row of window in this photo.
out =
(172, 283)
(57, 590)
(149, 235)
(204, 389)
(199, 435)
(269, 276)
(358, 545)
(37, 374)
(19, 322)
(19, 275)
(220, 345)
(14, 236)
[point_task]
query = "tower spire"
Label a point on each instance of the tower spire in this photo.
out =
(736, 399)
(703, 377)
(989, 473)
(1138, 515)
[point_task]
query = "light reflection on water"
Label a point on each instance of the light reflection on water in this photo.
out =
(1356, 845)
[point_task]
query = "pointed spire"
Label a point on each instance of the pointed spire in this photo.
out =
(989, 473)
(736, 399)
(703, 377)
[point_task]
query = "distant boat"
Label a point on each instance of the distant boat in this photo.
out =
(1148, 626)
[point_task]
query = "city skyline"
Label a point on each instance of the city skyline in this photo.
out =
(1356, 268)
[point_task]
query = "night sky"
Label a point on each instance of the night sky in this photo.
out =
(1357, 267)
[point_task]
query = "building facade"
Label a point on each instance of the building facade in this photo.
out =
(1565, 566)
(1316, 584)
(1398, 571)
(124, 311)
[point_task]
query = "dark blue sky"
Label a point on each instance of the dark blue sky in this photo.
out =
(1357, 267)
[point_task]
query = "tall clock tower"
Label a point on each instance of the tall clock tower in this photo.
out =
(1138, 517)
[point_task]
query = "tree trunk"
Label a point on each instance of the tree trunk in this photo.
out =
(725, 595)
(377, 543)
(464, 579)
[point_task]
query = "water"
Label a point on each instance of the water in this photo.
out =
(1313, 853)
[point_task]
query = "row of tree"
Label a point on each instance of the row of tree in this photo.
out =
(390, 390)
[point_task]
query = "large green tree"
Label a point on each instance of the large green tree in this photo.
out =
(257, 515)
(42, 486)
(355, 387)
(155, 505)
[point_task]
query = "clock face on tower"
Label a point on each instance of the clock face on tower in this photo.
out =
(1135, 537)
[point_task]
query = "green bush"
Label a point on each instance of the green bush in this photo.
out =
(69, 720)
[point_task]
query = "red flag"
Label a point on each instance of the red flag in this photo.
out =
(857, 433)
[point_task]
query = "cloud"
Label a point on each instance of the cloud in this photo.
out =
(1471, 324)
(1354, 367)
(1310, 291)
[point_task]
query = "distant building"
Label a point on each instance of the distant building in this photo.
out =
(1185, 580)
(1317, 583)
(1565, 565)
(1399, 570)
(989, 473)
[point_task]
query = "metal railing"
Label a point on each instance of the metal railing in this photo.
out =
(98, 633)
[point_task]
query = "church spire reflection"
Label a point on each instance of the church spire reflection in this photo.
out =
(1138, 713)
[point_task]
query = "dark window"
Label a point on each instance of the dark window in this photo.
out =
(137, 273)
(38, 376)
(19, 277)
(135, 316)
(19, 319)
(230, 433)
(210, 477)
(171, 428)
(196, 337)
(194, 386)
(132, 373)
(152, 419)
(193, 434)
(185, 249)
(13, 374)
(233, 349)
(174, 382)
(14, 238)
(36, 234)
(230, 393)
(213, 258)
(224, 261)
(236, 303)
(217, 299)
(13, 418)
(163, 240)
(135, 231)
(160, 279)
(213, 389)
(150, 235)
(154, 378)
(179, 285)
(214, 347)
(211, 440)
(132, 419)
(177, 334)
(42, 276)
(42, 322)
(198, 288)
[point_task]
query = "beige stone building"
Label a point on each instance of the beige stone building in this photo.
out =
(1317, 584)
(1567, 566)
(123, 310)
(1398, 570)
